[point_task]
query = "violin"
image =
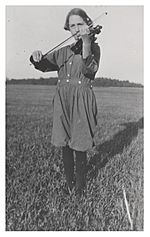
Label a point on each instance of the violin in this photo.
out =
(77, 48)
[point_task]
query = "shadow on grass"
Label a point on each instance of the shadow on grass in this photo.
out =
(114, 146)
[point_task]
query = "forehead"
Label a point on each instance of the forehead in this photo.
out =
(73, 19)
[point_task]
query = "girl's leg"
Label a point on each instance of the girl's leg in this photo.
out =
(80, 171)
(68, 161)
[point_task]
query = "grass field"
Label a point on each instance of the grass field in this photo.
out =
(35, 180)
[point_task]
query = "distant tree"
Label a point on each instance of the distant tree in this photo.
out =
(98, 82)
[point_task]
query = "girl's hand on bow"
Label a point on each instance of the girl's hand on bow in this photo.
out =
(37, 56)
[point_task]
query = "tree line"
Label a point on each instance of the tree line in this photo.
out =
(98, 82)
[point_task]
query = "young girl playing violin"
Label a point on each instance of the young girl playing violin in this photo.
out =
(74, 104)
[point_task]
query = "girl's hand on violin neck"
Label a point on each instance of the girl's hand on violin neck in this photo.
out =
(86, 39)
(84, 35)
(37, 56)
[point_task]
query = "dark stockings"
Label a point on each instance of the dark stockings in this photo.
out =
(68, 160)
(80, 171)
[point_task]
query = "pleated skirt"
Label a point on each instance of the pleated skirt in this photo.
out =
(74, 116)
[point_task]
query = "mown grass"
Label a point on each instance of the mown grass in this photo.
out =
(35, 182)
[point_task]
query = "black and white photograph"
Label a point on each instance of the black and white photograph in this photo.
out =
(74, 89)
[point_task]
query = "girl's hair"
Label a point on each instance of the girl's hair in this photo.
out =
(78, 12)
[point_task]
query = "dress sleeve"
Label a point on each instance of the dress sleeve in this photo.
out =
(91, 63)
(48, 63)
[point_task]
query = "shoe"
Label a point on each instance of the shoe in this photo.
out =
(80, 193)
(68, 189)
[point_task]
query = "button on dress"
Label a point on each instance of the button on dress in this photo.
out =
(74, 103)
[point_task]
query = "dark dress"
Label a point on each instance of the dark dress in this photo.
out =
(74, 103)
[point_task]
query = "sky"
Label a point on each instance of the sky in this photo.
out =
(30, 28)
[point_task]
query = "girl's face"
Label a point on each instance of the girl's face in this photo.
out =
(76, 23)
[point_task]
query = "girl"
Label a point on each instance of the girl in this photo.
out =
(74, 104)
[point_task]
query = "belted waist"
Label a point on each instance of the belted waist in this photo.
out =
(76, 82)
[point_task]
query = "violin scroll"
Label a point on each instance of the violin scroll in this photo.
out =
(96, 30)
